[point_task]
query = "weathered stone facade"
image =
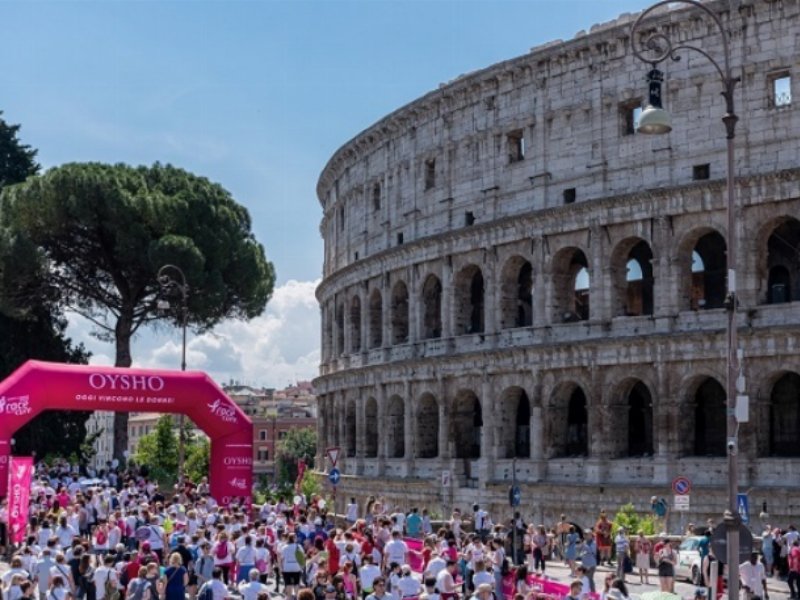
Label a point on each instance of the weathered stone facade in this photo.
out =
(512, 275)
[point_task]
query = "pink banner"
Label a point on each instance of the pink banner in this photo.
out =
(415, 560)
(38, 386)
(20, 478)
(540, 586)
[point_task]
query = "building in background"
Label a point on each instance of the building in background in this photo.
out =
(517, 282)
(101, 422)
(141, 424)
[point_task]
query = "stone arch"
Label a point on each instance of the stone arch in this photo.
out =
(355, 324)
(431, 308)
(395, 427)
(350, 427)
(516, 293)
(340, 349)
(375, 323)
(632, 434)
(571, 285)
(469, 300)
(467, 424)
(328, 341)
(427, 427)
(515, 423)
(703, 258)
(784, 416)
(707, 403)
(779, 258)
(371, 428)
(399, 313)
(568, 422)
(632, 278)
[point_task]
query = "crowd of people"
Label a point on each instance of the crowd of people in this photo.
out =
(126, 539)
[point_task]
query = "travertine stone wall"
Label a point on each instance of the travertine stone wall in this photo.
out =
(455, 333)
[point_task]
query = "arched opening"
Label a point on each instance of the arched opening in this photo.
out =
(399, 313)
(350, 428)
(432, 308)
(710, 423)
(396, 427)
(783, 263)
(784, 416)
(375, 319)
(467, 419)
(639, 281)
(640, 421)
(709, 271)
(469, 301)
(355, 324)
(428, 427)
(340, 329)
(515, 423)
(371, 428)
(577, 425)
(516, 288)
(328, 341)
(572, 285)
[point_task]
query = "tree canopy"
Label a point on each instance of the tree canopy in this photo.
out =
(297, 444)
(33, 328)
(103, 231)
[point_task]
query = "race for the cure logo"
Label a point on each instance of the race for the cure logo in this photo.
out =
(238, 483)
(237, 461)
(109, 381)
(226, 413)
(15, 405)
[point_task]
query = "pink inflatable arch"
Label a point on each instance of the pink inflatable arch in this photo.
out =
(38, 386)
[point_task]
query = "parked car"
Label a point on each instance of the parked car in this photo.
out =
(689, 564)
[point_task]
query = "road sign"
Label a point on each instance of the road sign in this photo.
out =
(743, 506)
(333, 455)
(681, 503)
(719, 543)
(334, 476)
(445, 479)
(514, 495)
(681, 486)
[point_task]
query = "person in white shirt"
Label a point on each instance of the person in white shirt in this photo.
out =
(42, 570)
(45, 533)
(395, 551)
(408, 585)
(753, 578)
(252, 588)
(246, 559)
(218, 588)
(58, 589)
(352, 511)
(103, 575)
(65, 533)
(368, 574)
(436, 565)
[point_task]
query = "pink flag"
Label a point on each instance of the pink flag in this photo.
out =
(19, 485)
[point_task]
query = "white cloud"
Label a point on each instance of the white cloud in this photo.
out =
(277, 348)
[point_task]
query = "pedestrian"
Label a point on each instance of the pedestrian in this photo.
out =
(539, 544)
(643, 548)
(794, 570)
(290, 557)
(571, 549)
(665, 559)
(602, 530)
(175, 578)
(622, 547)
(588, 556)
(754, 579)
(251, 588)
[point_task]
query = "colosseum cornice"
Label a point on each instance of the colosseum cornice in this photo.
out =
(603, 43)
(694, 195)
(698, 347)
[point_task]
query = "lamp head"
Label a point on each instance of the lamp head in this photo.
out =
(654, 119)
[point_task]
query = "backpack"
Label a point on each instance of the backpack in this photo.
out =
(206, 593)
(222, 550)
(137, 591)
(124, 579)
(112, 593)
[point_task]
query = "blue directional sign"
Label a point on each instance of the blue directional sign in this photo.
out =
(743, 506)
(334, 476)
(514, 496)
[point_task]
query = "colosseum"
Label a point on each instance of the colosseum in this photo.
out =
(517, 283)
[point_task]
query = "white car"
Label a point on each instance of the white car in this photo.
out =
(689, 562)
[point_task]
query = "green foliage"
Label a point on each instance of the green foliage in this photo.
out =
(158, 450)
(31, 326)
(633, 522)
(297, 444)
(311, 484)
(96, 235)
(198, 458)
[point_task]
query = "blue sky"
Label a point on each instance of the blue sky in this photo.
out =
(256, 95)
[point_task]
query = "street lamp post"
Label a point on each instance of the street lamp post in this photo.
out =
(654, 119)
(168, 285)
